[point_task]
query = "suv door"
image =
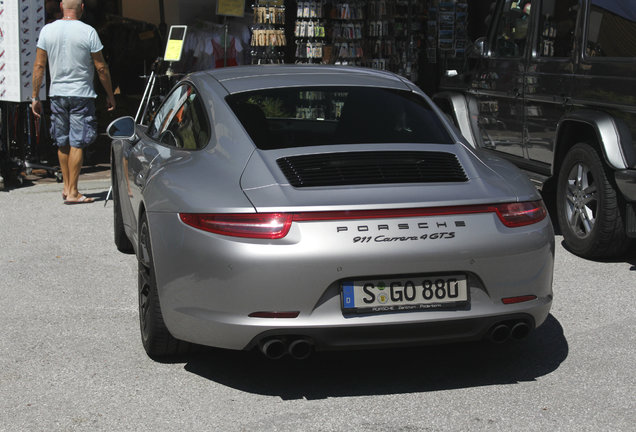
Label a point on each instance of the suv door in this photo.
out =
(498, 86)
(549, 78)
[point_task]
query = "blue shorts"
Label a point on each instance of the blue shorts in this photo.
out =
(73, 121)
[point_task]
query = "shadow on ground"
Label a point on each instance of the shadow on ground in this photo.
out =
(391, 371)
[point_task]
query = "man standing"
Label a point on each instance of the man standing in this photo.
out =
(74, 52)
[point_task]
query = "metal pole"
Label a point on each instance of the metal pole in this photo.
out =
(225, 41)
(162, 20)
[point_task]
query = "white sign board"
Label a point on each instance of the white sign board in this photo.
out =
(20, 25)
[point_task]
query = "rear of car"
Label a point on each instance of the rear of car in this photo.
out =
(369, 224)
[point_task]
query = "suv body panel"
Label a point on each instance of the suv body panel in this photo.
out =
(531, 96)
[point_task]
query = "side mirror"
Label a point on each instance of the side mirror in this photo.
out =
(122, 128)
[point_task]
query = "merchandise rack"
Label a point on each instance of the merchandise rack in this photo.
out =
(268, 32)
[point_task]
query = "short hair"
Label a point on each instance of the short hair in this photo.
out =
(72, 4)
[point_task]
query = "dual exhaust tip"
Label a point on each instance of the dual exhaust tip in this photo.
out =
(501, 332)
(276, 348)
(301, 348)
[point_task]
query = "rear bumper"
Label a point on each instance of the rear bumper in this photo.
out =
(386, 336)
(340, 332)
(209, 285)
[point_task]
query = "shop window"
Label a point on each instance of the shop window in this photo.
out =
(512, 29)
(611, 29)
(556, 28)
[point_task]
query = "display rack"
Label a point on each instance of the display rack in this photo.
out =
(410, 18)
(347, 23)
(268, 32)
(380, 39)
(310, 31)
(450, 21)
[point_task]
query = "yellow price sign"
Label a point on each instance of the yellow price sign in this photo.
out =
(173, 50)
(174, 47)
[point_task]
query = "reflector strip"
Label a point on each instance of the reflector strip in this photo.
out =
(264, 314)
(520, 299)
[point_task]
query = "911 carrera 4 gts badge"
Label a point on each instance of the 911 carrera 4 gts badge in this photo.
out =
(386, 233)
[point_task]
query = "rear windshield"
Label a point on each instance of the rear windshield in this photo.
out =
(298, 117)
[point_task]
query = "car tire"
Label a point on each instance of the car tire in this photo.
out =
(588, 207)
(122, 242)
(155, 337)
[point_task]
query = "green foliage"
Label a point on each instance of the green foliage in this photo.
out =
(272, 107)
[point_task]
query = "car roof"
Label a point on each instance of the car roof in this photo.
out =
(258, 77)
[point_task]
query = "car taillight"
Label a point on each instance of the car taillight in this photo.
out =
(277, 225)
(511, 214)
(256, 225)
(520, 214)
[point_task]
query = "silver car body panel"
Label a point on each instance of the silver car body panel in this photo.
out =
(207, 297)
(209, 283)
(272, 76)
(268, 190)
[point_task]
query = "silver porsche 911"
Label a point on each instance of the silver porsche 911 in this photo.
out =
(293, 208)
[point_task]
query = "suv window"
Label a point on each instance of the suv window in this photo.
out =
(556, 28)
(512, 29)
(611, 29)
(181, 121)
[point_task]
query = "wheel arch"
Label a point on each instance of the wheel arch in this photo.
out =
(456, 106)
(142, 214)
(608, 135)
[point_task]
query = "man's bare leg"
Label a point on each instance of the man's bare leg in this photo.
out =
(75, 159)
(63, 156)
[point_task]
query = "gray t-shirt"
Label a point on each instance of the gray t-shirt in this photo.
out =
(68, 45)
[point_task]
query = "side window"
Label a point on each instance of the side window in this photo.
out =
(611, 29)
(556, 28)
(512, 29)
(165, 112)
(182, 122)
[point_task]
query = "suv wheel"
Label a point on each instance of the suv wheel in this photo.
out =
(588, 207)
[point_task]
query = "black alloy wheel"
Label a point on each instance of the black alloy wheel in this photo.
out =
(588, 206)
(155, 337)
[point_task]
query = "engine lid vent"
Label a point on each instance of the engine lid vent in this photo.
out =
(383, 167)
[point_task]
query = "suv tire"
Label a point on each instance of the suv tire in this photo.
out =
(588, 207)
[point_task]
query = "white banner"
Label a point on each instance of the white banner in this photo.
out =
(20, 25)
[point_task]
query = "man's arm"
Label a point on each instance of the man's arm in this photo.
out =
(39, 68)
(104, 77)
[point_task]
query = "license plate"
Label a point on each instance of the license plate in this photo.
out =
(406, 294)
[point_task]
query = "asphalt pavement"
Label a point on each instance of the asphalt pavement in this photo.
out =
(71, 357)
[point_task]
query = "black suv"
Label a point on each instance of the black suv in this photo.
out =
(552, 88)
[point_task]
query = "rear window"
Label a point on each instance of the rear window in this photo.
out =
(611, 29)
(298, 117)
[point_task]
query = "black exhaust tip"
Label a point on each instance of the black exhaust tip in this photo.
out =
(499, 333)
(301, 349)
(520, 331)
(273, 348)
